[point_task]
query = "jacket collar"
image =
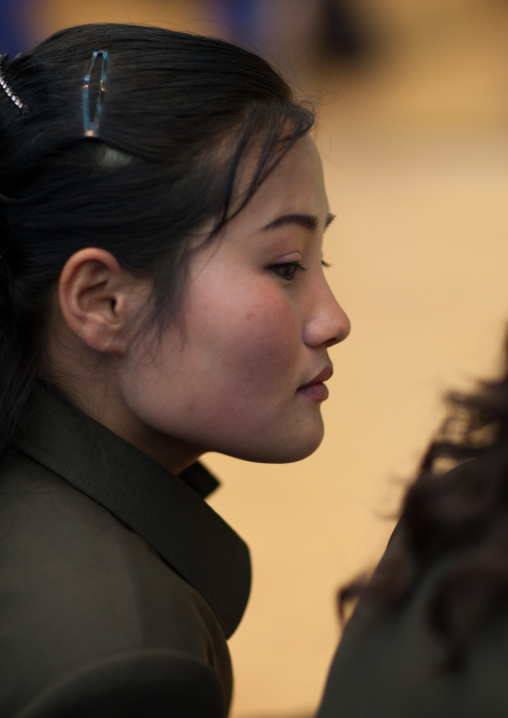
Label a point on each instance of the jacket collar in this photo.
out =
(166, 510)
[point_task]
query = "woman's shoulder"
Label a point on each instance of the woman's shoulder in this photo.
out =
(154, 683)
(78, 587)
(65, 539)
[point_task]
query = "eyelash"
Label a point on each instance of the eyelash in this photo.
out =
(288, 268)
(293, 267)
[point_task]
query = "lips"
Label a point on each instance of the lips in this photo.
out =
(323, 375)
(315, 388)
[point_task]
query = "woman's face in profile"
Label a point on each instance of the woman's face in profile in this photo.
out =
(241, 372)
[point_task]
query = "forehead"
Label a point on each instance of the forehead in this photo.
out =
(296, 184)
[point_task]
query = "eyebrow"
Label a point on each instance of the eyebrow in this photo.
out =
(308, 221)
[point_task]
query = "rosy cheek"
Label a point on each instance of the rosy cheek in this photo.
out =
(252, 331)
(271, 333)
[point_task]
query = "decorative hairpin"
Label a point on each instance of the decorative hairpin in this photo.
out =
(91, 127)
(8, 90)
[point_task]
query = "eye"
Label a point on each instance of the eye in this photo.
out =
(325, 264)
(287, 270)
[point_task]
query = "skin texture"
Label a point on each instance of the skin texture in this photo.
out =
(232, 374)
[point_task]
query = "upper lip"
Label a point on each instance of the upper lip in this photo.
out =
(323, 375)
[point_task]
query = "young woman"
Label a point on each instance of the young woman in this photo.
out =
(162, 295)
(429, 637)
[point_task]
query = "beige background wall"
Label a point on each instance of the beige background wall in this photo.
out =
(415, 148)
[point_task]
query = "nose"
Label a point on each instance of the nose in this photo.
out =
(327, 323)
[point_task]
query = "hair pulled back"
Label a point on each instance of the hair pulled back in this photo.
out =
(181, 112)
(459, 513)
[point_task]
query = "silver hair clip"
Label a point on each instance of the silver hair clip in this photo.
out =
(91, 127)
(8, 90)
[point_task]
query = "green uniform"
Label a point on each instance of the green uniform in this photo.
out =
(119, 585)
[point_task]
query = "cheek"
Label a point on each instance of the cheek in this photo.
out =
(256, 334)
(239, 358)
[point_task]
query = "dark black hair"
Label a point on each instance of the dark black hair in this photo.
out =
(456, 507)
(181, 113)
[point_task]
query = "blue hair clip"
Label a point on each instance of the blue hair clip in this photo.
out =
(91, 127)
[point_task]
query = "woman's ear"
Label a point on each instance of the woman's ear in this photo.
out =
(99, 300)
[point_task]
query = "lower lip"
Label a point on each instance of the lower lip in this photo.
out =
(316, 392)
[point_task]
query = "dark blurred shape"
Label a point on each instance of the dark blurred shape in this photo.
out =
(342, 30)
(240, 18)
(12, 36)
(319, 28)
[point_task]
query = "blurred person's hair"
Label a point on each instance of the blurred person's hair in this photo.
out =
(458, 507)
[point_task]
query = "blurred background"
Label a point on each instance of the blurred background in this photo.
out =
(413, 132)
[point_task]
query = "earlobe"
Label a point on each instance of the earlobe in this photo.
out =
(95, 299)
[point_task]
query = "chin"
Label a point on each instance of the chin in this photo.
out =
(284, 452)
(299, 453)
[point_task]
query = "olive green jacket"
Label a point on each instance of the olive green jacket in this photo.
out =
(119, 585)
